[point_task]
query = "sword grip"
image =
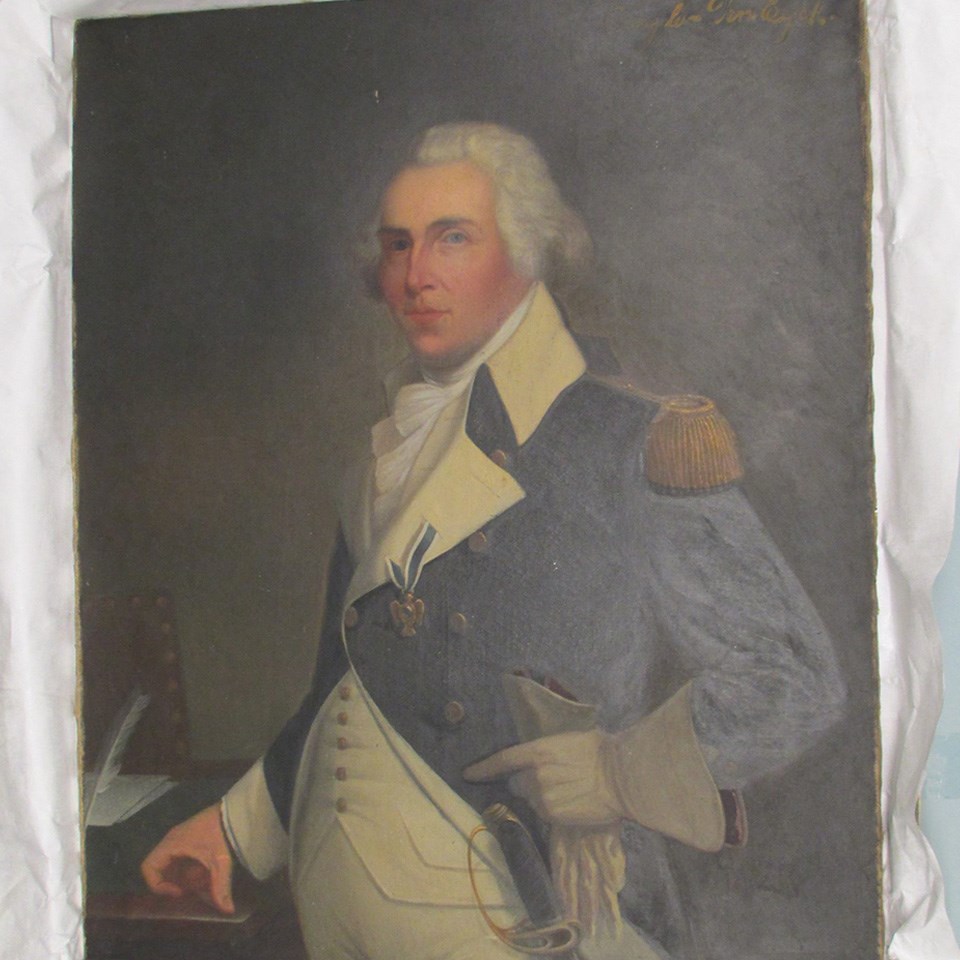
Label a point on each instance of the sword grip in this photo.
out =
(551, 934)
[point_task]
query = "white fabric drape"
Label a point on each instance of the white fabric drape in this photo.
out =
(916, 145)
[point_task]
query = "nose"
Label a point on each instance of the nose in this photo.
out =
(419, 275)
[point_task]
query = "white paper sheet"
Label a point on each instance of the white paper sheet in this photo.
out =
(916, 149)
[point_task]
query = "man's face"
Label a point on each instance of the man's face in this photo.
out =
(444, 268)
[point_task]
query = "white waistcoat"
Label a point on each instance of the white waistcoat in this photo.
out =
(358, 775)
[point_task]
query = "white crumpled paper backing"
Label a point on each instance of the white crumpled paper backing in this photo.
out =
(915, 75)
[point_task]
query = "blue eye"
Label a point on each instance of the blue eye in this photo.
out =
(396, 244)
(455, 236)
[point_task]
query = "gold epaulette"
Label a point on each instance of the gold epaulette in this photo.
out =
(691, 448)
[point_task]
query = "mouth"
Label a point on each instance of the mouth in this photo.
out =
(422, 316)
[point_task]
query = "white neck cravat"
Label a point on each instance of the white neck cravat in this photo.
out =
(398, 438)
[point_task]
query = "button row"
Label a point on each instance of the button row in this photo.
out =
(343, 718)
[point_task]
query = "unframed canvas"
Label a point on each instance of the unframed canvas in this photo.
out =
(228, 354)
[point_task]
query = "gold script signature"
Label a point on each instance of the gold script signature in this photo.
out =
(780, 15)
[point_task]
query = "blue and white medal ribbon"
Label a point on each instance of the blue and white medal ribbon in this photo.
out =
(407, 611)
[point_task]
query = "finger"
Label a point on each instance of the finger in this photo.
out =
(165, 888)
(525, 785)
(521, 785)
(154, 871)
(210, 880)
(542, 790)
(504, 763)
(157, 882)
(221, 884)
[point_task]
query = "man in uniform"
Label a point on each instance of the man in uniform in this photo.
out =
(547, 591)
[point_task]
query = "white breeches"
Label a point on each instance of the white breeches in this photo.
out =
(346, 917)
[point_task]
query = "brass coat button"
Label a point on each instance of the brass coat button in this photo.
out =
(340, 773)
(342, 743)
(345, 692)
(342, 719)
(500, 458)
(341, 805)
(350, 617)
(478, 542)
(454, 713)
(458, 624)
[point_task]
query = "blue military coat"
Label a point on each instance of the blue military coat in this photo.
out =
(575, 567)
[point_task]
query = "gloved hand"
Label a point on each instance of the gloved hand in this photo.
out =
(652, 773)
(565, 777)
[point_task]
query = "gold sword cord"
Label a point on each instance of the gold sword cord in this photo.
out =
(524, 936)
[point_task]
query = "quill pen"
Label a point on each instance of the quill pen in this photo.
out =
(113, 747)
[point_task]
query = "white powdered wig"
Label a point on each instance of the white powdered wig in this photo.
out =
(546, 239)
(542, 233)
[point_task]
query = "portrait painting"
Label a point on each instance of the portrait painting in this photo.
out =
(475, 500)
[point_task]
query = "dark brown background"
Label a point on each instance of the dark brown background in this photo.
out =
(226, 358)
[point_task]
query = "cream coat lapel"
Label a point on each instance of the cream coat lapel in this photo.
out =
(463, 492)
(535, 365)
(466, 489)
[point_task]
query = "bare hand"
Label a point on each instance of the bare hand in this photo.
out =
(193, 857)
(563, 777)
